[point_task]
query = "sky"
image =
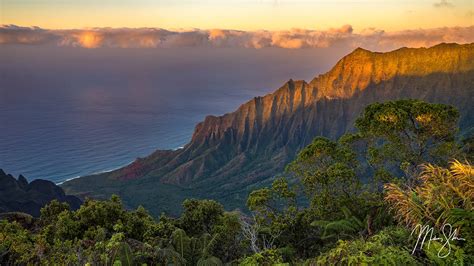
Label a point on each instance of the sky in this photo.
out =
(248, 15)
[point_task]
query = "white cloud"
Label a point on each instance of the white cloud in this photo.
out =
(370, 38)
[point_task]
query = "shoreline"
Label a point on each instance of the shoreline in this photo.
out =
(95, 173)
(105, 171)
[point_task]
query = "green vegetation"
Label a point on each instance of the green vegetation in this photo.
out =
(360, 200)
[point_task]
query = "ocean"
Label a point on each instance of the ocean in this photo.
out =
(59, 142)
(69, 112)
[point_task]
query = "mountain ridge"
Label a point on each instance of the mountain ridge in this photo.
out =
(243, 148)
(17, 195)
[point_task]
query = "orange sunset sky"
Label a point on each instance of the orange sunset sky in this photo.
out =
(389, 15)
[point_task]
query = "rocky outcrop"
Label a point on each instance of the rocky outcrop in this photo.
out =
(21, 196)
(240, 149)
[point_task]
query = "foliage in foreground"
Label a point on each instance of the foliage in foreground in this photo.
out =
(438, 197)
(353, 201)
(442, 198)
(102, 232)
(388, 247)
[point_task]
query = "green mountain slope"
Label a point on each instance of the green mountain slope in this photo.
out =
(231, 154)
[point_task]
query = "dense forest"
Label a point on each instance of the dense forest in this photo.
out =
(398, 190)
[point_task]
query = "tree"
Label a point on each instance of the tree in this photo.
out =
(278, 221)
(50, 212)
(200, 216)
(227, 243)
(105, 214)
(137, 223)
(406, 133)
(274, 202)
(16, 244)
(266, 257)
(250, 230)
(160, 232)
(385, 248)
(327, 170)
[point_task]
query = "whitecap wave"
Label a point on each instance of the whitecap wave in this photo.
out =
(95, 173)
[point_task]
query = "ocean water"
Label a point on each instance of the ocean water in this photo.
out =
(69, 112)
(58, 142)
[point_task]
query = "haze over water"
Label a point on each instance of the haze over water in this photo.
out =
(68, 112)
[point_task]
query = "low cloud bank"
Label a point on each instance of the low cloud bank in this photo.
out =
(291, 39)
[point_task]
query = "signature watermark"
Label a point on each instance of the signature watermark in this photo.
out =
(426, 234)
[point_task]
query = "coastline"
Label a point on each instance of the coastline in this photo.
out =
(105, 171)
(95, 173)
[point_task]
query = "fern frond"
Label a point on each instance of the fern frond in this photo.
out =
(440, 191)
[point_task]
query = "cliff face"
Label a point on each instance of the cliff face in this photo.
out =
(21, 196)
(362, 68)
(240, 149)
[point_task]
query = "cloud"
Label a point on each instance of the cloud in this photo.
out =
(25, 35)
(443, 3)
(371, 38)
